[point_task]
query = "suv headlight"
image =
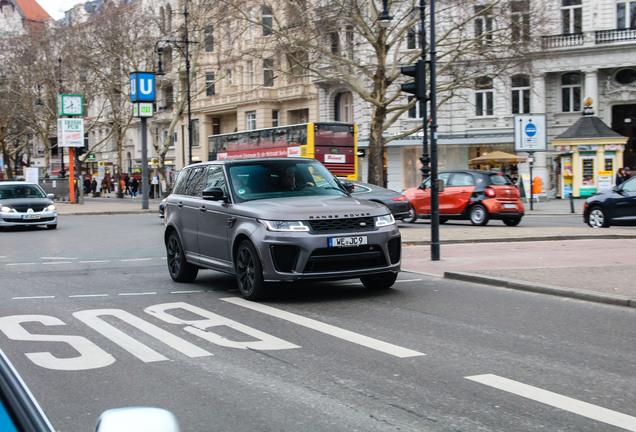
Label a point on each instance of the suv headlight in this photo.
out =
(284, 225)
(385, 220)
(50, 207)
(6, 209)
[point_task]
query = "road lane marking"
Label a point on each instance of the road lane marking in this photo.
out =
(187, 291)
(137, 293)
(135, 259)
(92, 262)
(20, 264)
(87, 295)
(575, 406)
(57, 262)
(408, 280)
(334, 331)
(58, 258)
(32, 298)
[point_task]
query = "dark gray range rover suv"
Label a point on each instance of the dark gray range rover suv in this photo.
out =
(276, 220)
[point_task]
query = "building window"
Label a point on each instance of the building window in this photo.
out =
(417, 110)
(484, 95)
(344, 107)
(483, 26)
(268, 72)
(250, 74)
(334, 42)
(520, 94)
(228, 74)
(571, 92)
(250, 120)
(275, 118)
(209, 38)
(267, 20)
(349, 42)
(571, 16)
(625, 76)
(413, 34)
(626, 14)
(520, 20)
(209, 84)
(195, 133)
(250, 24)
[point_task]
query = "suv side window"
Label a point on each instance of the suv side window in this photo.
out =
(182, 180)
(196, 181)
(215, 178)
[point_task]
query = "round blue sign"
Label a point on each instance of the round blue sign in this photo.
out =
(531, 129)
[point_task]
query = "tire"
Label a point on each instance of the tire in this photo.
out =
(249, 272)
(597, 218)
(180, 270)
(512, 221)
(479, 215)
(412, 217)
(443, 220)
(51, 227)
(379, 281)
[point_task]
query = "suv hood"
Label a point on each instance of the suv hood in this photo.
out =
(306, 208)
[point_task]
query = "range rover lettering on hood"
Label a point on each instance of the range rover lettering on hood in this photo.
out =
(346, 215)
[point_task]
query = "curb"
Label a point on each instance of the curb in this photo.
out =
(606, 298)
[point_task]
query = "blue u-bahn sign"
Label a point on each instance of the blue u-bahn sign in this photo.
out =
(142, 87)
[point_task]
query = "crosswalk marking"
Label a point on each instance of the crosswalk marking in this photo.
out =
(347, 335)
(575, 406)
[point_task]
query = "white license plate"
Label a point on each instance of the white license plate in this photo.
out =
(347, 241)
(510, 206)
(30, 216)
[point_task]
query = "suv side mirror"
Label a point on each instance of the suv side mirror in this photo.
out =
(213, 194)
(348, 186)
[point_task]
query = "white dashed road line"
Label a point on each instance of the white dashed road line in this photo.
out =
(575, 406)
(334, 331)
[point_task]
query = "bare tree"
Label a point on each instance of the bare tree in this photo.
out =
(343, 42)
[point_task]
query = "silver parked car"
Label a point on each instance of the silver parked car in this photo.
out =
(26, 204)
(276, 220)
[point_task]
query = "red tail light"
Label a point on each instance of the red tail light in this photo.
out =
(490, 192)
(518, 193)
(400, 198)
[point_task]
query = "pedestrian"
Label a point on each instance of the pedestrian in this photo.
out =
(127, 181)
(133, 187)
(87, 185)
(105, 186)
(620, 176)
(628, 173)
(94, 187)
(122, 185)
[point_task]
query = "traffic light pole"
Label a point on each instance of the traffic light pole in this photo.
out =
(435, 253)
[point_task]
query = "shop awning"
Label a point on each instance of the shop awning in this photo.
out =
(497, 157)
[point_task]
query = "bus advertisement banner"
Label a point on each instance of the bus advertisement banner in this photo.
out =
(264, 153)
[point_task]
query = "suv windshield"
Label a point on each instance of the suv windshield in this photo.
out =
(276, 179)
(20, 191)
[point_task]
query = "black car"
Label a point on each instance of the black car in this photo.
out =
(395, 201)
(616, 206)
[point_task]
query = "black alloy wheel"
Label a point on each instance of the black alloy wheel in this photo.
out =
(249, 272)
(180, 270)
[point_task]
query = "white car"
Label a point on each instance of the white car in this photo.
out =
(25, 204)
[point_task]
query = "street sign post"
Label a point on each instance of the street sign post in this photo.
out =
(142, 95)
(530, 133)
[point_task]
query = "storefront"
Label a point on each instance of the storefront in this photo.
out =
(590, 155)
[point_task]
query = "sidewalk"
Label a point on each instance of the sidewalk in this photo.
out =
(541, 259)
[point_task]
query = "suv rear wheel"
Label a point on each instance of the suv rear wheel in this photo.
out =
(479, 215)
(249, 272)
(180, 270)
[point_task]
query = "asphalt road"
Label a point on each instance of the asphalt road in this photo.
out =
(91, 319)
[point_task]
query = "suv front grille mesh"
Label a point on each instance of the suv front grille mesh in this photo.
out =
(324, 226)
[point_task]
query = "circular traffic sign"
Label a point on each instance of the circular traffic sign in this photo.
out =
(530, 129)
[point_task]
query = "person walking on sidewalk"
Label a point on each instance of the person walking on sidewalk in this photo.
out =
(133, 187)
(620, 176)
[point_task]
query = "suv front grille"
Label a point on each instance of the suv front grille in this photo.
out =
(334, 260)
(324, 226)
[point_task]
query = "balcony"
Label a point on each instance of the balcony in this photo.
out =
(589, 39)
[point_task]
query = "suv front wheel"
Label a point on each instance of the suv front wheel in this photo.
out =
(249, 272)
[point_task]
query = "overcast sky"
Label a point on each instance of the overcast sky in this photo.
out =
(56, 8)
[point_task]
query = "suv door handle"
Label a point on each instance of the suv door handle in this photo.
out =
(180, 204)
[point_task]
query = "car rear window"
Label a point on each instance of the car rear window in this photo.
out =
(500, 179)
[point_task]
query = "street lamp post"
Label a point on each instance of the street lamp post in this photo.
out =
(185, 51)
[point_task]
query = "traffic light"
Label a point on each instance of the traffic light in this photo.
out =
(417, 87)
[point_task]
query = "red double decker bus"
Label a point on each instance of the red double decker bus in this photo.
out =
(333, 144)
